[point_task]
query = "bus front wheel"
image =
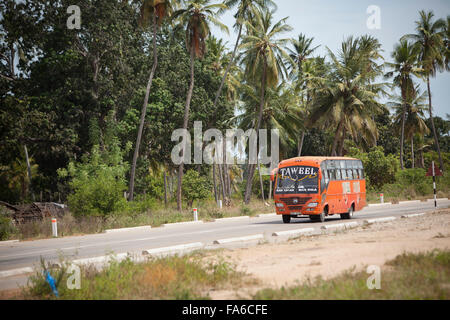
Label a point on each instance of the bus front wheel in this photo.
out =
(349, 214)
(317, 218)
(286, 218)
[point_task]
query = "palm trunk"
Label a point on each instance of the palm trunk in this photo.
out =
(336, 138)
(402, 136)
(226, 177)
(341, 145)
(412, 152)
(214, 182)
(185, 125)
(222, 184)
(165, 189)
(261, 182)
(143, 113)
(251, 171)
(27, 159)
(219, 91)
(300, 144)
(436, 140)
(422, 159)
(270, 190)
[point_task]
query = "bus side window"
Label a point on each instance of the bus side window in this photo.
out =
(338, 174)
(327, 179)
(356, 175)
(350, 174)
(332, 174)
(361, 173)
(343, 174)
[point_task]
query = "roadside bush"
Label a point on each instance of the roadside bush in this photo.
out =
(6, 227)
(415, 178)
(141, 204)
(195, 187)
(98, 183)
(380, 169)
(256, 185)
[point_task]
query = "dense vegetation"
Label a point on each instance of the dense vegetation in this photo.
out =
(87, 114)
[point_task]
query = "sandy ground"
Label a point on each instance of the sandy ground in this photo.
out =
(276, 265)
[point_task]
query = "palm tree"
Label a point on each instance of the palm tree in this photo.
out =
(413, 124)
(301, 52)
(156, 11)
(281, 111)
(313, 75)
(405, 66)
(196, 18)
(447, 44)
(347, 100)
(262, 57)
(244, 13)
(429, 40)
(299, 55)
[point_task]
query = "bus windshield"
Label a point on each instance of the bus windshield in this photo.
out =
(298, 180)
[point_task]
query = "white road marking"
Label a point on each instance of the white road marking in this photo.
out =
(236, 239)
(292, 232)
(384, 219)
(126, 241)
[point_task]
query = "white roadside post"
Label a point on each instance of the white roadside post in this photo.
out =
(195, 214)
(381, 198)
(54, 228)
(434, 184)
(219, 203)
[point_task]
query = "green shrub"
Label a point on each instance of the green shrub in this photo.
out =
(416, 179)
(195, 187)
(98, 183)
(142, 203)
(6, 227)
(379, 168)
(256, 185)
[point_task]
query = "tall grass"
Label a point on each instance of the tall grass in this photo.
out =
(176, 277)
(408, 276)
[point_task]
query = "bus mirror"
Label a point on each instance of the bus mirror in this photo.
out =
(273, 174)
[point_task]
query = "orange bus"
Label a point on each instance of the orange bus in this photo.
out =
(317, 187)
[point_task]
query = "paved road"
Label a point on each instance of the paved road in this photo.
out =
(28, 253)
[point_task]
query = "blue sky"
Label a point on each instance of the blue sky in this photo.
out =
(331, 21)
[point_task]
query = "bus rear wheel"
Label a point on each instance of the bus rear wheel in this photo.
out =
(286, 218)
(349, 214)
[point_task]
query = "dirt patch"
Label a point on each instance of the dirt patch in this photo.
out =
(277, 265)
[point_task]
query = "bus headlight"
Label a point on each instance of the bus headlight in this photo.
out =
(313, 204)
(280, 205)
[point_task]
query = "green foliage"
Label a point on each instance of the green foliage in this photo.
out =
(98, 183)
(415, 178)
(195, 187)
(6, 227)
(177, 277)
(256, 185)
(380, 169)
(433, 156)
